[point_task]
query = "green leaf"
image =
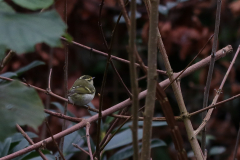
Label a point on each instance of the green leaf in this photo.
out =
(163, 9)
(208, 138)
(128, 151)
(4, 7)
(170, 5)
(217, 150)
(122, 138)
(28, 67)
(68, 37)
(2, 50)
(157, 143)
(20, 32)
(140, 123)
(61, 108)
(48, 156)
(35, 155)
(6, 146)
(160, 153)
(34, 4)
(77, 137)
(72, 138)
(8, 75)
(18, 136)
(19, 104)
(22, 144)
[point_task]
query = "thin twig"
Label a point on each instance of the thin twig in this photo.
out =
(60, 115)
(120, 80)
(215, 105)
(237, 143)
(54, 141)
(88, 140)
(76, 146)
(111, 62)
(30, 141)
(219, 91)
(111, 128)
(210, 70)
(141, 78)
(48, 97)
(110, 137)
(114, 123)
(103, 82)
(106, 55)
(6, 59)
(190, 62)
(105, 74)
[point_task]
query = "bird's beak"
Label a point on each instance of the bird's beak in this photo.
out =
(93, 77)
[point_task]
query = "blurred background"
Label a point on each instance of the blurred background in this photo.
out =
(185, 26)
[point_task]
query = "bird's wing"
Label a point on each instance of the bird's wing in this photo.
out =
(83, 88)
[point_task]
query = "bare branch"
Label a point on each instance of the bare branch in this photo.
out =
(103, 82)
(210, 70)
(190, 62)
(112, 135)
(120, 80)
(54, 141)
(88, 140)
(133, 78)
(76, 146)
(106, 55)
(60, 115)
(151, 81)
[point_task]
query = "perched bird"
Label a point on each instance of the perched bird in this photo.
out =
(82, 92)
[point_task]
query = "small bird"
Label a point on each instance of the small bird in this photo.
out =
(82, 92)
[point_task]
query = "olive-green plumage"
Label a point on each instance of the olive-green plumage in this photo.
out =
(82, 92)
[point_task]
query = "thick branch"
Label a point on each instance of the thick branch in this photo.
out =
(151, 81)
